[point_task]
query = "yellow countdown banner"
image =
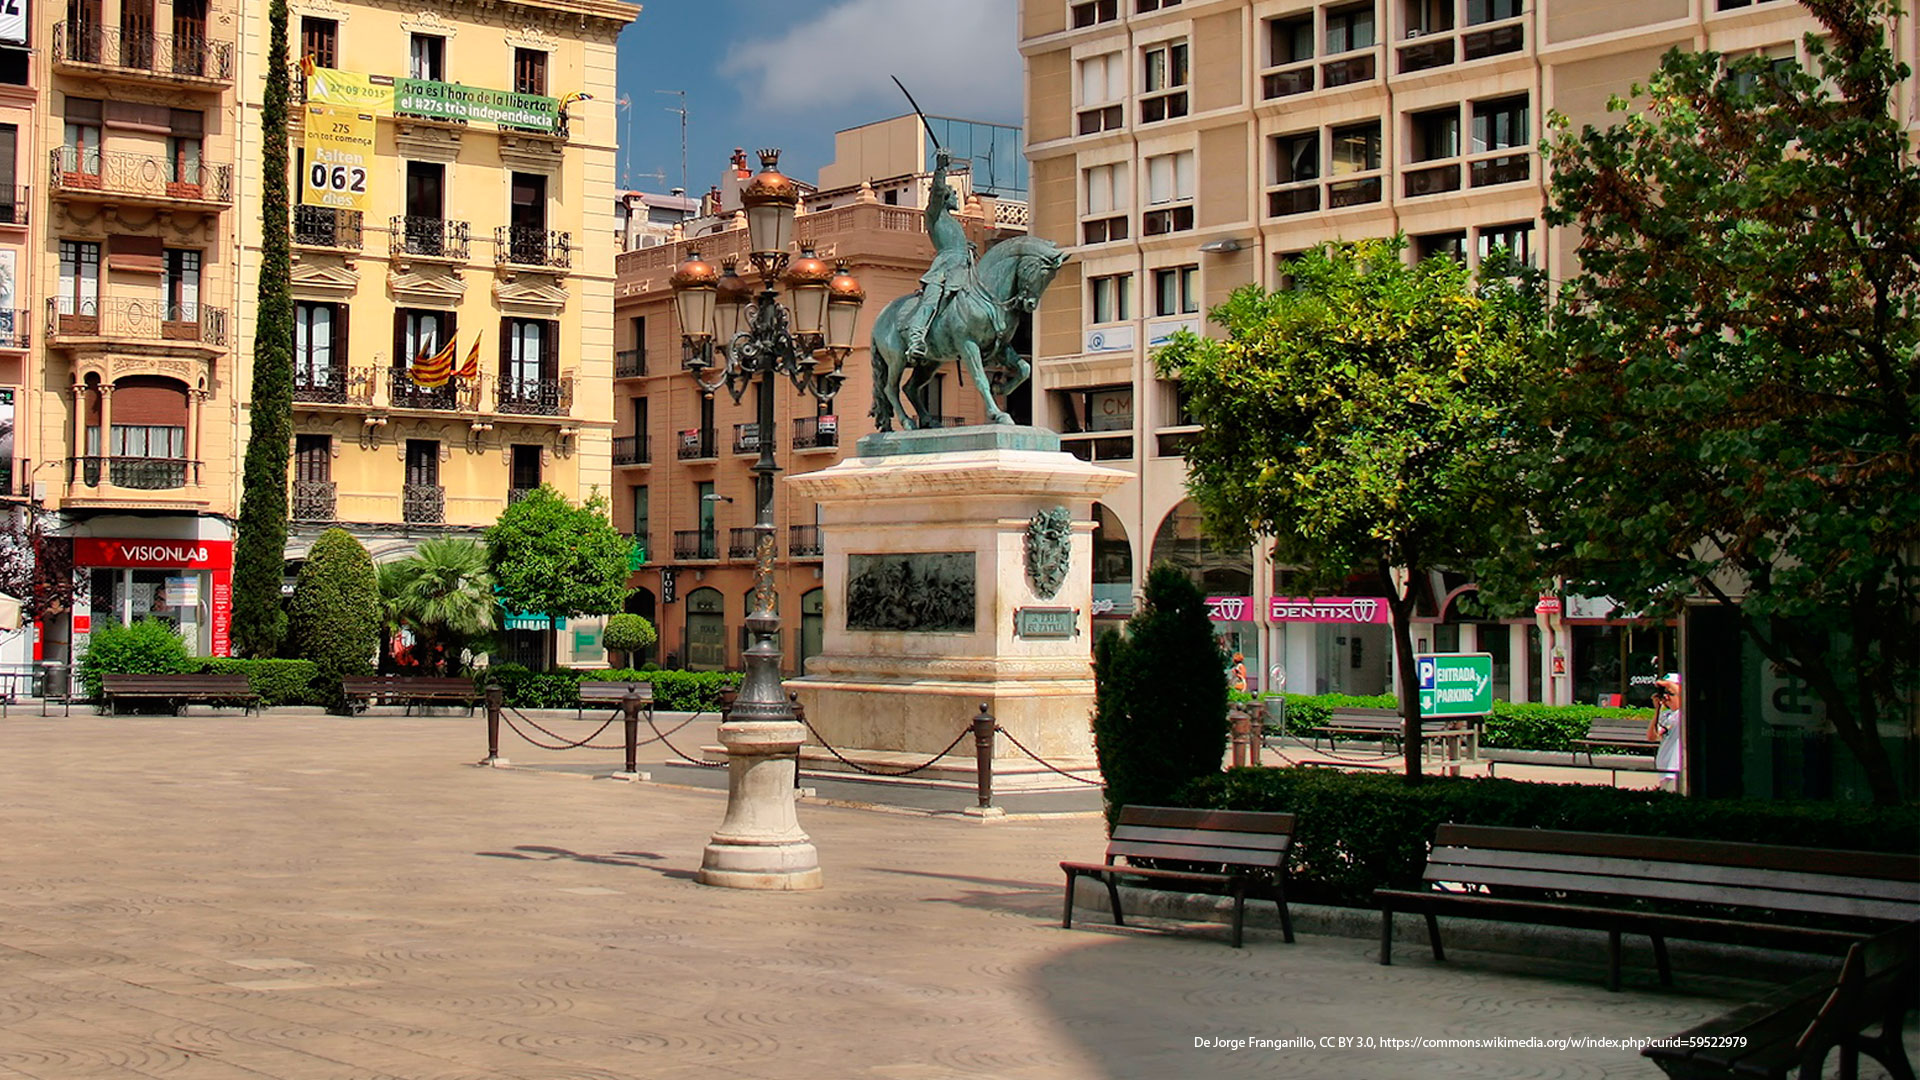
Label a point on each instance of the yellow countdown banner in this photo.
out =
(339, 158)
(351, 90)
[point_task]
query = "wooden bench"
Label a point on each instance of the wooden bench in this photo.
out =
(1250, 847)
(178, 691)
(410, 690)
(1698, 890)
(1453, 735)
(595, 692)
(1614, 731)
(1792, 1032)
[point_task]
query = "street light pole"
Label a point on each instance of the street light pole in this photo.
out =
(744, 333)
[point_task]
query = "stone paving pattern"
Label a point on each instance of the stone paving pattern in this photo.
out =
(315, 898)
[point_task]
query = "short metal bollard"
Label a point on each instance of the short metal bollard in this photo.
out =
(1242, 727)
(630, 706)
(983, 729)
(496, 701)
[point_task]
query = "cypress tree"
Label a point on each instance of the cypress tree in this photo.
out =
(259, 554)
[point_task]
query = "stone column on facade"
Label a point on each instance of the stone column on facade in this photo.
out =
(106, 432)
(79, 429)
(194, 398)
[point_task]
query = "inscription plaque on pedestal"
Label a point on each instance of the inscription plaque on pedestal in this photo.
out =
(1046, 622)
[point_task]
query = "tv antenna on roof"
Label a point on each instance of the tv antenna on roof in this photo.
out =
(681, 111)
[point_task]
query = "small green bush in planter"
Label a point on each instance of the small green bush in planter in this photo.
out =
(148, 647)
(629, 633)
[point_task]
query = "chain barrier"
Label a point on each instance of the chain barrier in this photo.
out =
(661, 738)
(1334, 754)
(1049, 766)
(857, 767)
(565, 743)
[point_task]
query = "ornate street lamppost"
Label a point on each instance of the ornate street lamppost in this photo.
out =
(741, 333)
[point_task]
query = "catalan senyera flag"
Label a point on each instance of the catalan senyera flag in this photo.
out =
(471, 369)
(433, 370)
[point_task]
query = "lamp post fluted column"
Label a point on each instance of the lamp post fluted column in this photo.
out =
(743, 334)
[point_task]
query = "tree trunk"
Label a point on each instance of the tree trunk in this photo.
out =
(1408, 688)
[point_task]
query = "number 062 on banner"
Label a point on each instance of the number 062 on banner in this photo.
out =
(339, 156)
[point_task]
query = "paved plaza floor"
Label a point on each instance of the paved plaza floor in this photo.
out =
(301, 897)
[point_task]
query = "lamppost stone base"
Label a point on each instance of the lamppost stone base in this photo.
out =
(760, 844)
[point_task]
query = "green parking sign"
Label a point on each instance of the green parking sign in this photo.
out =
(1455, 684)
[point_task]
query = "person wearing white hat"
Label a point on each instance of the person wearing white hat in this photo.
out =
(1665, 726)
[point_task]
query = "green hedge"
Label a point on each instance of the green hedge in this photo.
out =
(1358, 832)
(278, 682)
(1512, 726)
(673, 691)
(146, 647)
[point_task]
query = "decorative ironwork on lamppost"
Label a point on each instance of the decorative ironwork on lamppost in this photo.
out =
(738, 333)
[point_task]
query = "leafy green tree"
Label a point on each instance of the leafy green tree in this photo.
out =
(552, 558)
(1160, 705)
(259, 558)
(336, 610)
(1357, 419)
(443, 594)
(1740, 412)
(629, 633)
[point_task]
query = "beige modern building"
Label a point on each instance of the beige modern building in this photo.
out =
(484, 236)
(682, 458)
(1184, 148)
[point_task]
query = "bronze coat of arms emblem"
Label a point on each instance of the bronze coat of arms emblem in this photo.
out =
(1049, 550)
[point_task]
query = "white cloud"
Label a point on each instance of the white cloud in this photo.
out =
(959, 57)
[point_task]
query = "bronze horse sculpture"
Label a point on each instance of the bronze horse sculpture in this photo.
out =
(975, 328)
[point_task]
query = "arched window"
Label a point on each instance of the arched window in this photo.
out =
(706, 630)
(1182, 540)
(813, 625)
(641, 602)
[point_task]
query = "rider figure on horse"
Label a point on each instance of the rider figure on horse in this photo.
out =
(952, 268)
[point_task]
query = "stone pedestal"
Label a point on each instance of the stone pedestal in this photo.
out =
(956, 499)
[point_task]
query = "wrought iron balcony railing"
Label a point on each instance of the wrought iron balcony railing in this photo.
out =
(803, 542)
(740, 543)
(696, 544)
(313, 501)
(14, 202)
(423, 504)
(629, 363)
(456, 395)
(514, 495)
(327, 227)
(432, 237)
(89, 173)
(522, 246)
(631, 450)
(16, 330)
(163, 56)
(537, 397)
(332, 385)
(810, 432)
(746, 438)
(134, 319)
(134, 473)
(697, 444)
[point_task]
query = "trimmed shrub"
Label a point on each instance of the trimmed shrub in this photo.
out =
(336, 611)
(278, 682)
(673, 691)
(628, 633)
(1160, 713)
(1359, 832)
(1512, 726)
(148, 647)
(677, 691)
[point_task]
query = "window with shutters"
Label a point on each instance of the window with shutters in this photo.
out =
(184, 145)
(1107, 198)
(418, 333)
(1103, 89)
(182, 285)
(13, 207)
(529, 71)
(79, 280)
(319, 352)
(426, 57)
(1169, 194)
(1165, 82)
(423, 462)
(525, 469)
(529, 366)
(313, 458)
(80, 153)
(320, 41)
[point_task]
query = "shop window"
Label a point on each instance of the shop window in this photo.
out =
(706, 632)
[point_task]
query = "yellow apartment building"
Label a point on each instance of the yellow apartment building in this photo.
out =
(681, 459)
(128, 399)
(1183, 148)
(467, 216)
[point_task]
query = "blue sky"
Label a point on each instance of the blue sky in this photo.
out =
(829, 59)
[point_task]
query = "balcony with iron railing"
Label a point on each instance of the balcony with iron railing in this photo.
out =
(629, 363)
(536, 396)
(429, 238)
(746, 438)
(133, 473)
(16, 329)
(327, 227)
(142, 56)
(698, 444)
(803, 542)
(72, 321)
(455, 395)
(423, 504)
(315, 385)
(740, 543)
(313, 501)
(689, 544)
(632, 450)
(87, 174)
(816, 432)
(14, 204)
(519, 245)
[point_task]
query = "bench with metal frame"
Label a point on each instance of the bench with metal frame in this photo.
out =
(1794, 1031)
(1621, 731)
(178, 691)
(410, 690)
(1451, 734)
(1249, 846)
(1804, 899)
(595, 692)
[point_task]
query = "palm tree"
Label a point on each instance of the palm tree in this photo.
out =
(443, 593)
